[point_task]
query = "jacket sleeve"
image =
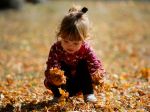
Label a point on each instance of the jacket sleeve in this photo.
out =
(53, 59)
(94, 63)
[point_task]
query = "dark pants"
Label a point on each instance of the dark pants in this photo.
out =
(81, 81)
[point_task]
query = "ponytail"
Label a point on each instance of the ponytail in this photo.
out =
(81, 12)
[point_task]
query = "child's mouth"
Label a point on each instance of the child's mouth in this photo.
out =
(69, 50)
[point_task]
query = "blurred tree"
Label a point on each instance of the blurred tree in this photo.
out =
(36, 1)
(16, 4)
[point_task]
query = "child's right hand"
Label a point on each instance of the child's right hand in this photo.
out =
(56, 77)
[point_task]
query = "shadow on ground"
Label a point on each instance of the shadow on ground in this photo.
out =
(28, 106)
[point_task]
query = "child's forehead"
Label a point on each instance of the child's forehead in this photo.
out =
(72, 40)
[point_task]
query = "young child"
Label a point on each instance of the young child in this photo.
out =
(72, 54)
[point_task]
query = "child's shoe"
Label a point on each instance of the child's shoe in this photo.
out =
(90, 98)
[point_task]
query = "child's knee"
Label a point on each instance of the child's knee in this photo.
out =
(82, 67)
(47, 84)
(82, 63)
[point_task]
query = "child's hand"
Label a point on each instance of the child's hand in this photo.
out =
(56, 77)
(97, 77)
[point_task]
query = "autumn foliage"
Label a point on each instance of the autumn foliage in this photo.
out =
(121, 32)
(56, 76)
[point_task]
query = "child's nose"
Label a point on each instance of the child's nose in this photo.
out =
(70, 45)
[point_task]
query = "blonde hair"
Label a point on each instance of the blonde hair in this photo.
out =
(75, 25)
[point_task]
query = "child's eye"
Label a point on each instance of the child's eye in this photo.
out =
(65, 41)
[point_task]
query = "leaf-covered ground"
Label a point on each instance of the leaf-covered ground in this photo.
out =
(121, 38)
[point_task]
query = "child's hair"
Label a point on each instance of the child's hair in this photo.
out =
(75, 25)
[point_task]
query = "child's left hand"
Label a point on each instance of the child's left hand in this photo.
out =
(97, 77)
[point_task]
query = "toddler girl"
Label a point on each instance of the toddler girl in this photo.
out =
(72, 54)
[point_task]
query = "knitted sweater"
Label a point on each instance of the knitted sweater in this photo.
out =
(57, 54)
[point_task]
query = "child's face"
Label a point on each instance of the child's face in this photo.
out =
(71, 46)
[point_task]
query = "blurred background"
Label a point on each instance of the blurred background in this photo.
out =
(121, 38)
